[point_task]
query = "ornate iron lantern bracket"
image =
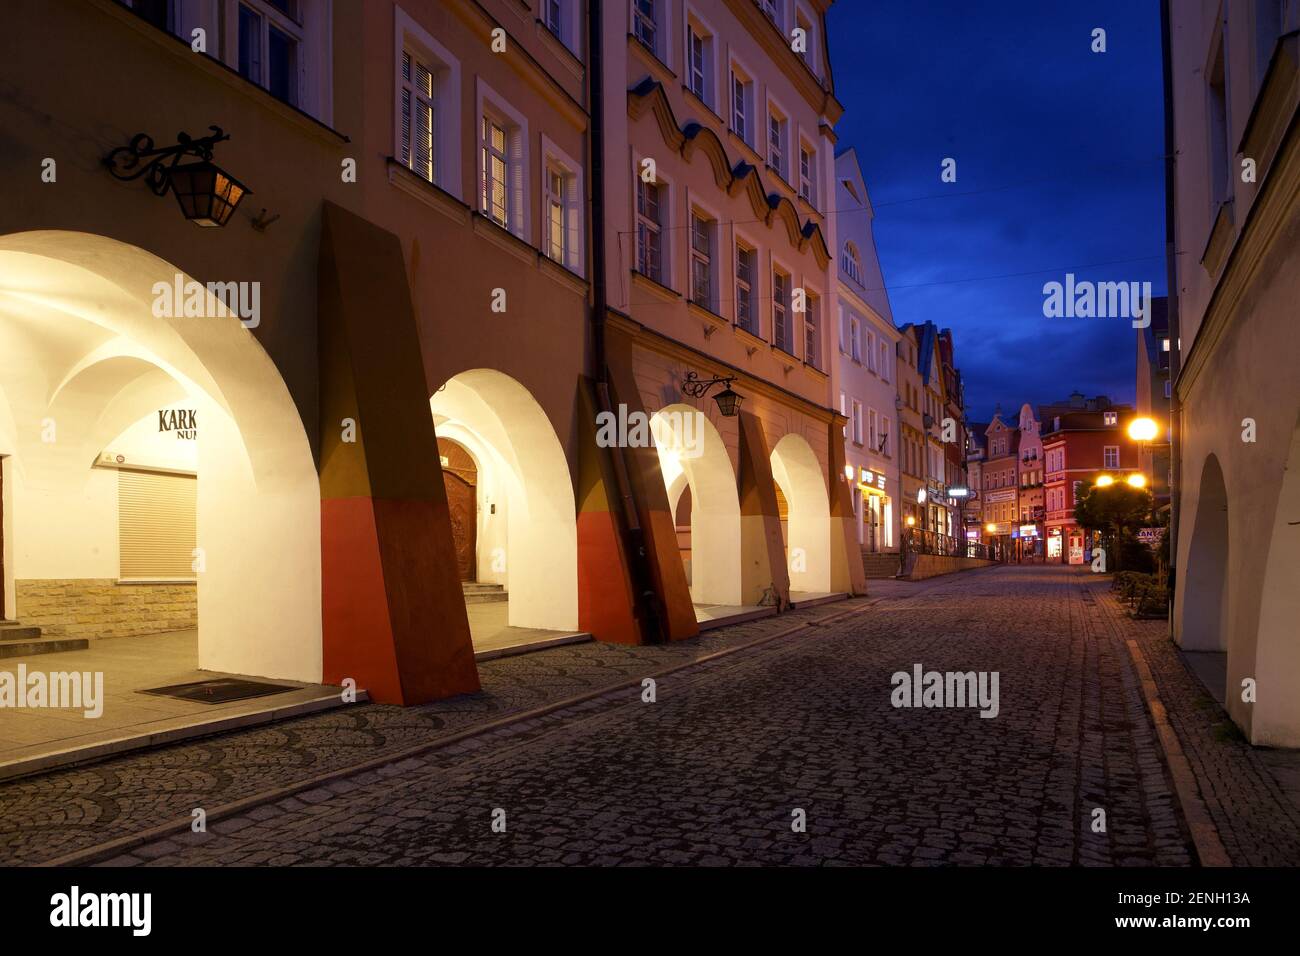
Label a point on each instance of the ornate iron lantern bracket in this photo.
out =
(140, 158)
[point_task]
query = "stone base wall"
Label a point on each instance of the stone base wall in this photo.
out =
(932, 565)
(96, 607)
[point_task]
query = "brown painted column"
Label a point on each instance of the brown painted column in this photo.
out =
(605, 600)
(394, 613)
(647, 481)
(762, 549)
(847, 573)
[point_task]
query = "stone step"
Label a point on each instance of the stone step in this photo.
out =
(879, 565)
(47, 645)
(16, 631)
(476, 593)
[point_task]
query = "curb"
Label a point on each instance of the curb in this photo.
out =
(120, 746)
(1205, 835)
(125, 844)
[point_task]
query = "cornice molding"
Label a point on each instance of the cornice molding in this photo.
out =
(650, 95)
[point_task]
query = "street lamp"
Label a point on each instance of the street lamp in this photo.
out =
(1104, 481)
(206, 193)
(1137, 480)
(728, 401)
(1143, 429)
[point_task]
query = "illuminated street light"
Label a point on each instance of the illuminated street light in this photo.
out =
(910, 521)
(848, 472)
(1104, 481)
(1137, 480)
(1143, 429)
(990, 527)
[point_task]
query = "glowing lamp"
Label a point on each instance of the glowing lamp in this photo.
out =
(1143, 429)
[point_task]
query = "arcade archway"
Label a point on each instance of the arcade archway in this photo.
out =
(807, 528)
(101, 493)
(521, 505)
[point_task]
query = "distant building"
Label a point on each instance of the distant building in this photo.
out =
(1082, 438)
(867, 356)
(1030, 486)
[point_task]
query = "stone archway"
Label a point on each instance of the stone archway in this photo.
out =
(1203, 592)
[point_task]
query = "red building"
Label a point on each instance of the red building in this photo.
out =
(1083, 438)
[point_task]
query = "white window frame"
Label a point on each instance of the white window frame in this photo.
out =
(570, 23)
(857, 422)
(315, 36)
(852, 263)
(658, 20)
(491, 104)
(573, 201)
(855, 338)
(749, 98)
(807, 181)
(409, 36)
(886, 353)
(777, 115)
(666, 271)
(696, 25)
(787, 307)
(711, 258)
(812, 325)
(755, 282)
(1109, 460)
(871, 351)
(1110, 418)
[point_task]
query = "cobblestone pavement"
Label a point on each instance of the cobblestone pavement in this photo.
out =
(1257, 823)
(45, 817)
(715, 770)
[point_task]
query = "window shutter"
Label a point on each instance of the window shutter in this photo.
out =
(156, 525)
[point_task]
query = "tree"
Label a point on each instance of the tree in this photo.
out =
(1114, 510)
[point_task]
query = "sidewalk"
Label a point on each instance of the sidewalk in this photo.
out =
(1252, 794)
(37, 739)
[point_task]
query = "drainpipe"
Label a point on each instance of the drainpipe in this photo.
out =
(646, 606)
(1171, 281)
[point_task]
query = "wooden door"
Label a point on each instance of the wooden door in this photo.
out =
(460, 476)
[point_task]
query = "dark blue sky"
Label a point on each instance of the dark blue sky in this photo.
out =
(1060, 147)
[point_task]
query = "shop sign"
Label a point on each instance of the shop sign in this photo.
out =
(182, 421)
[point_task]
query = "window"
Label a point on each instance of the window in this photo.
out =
(743, 112)
(156, 525)
(807, 174)
(494, 200)
(855, 339)
(873, 428)
(1169, 389)
(883, 447)
(773, 10)
(782, 336)
(554, 18)
(871, 350)
(649, 226)
(776, 142)
(851, 263)
(1217, 100)
(702, 233)
(419, 118)
(1164, 345)
(857, 422)
(562, 202)
(1110, 418)
(1110, 456)
(885, 360)
(844, 410)
(812, 330)
(645, 23)
(699, 62)
(746, 270)
(269, 41)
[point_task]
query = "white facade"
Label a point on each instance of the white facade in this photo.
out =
(867, 379)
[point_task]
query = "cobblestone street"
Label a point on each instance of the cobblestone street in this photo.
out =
(715, 771)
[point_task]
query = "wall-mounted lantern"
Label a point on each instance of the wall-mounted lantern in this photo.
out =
(728, 401)
(206, 193)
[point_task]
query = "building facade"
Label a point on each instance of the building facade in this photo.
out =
(1082, 438)
(1236, 184)
(1001, 485)
(1154, 389)
(1030, 506)
(354, 430)
(868, 349)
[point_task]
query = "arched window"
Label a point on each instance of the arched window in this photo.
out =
(851, 263)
